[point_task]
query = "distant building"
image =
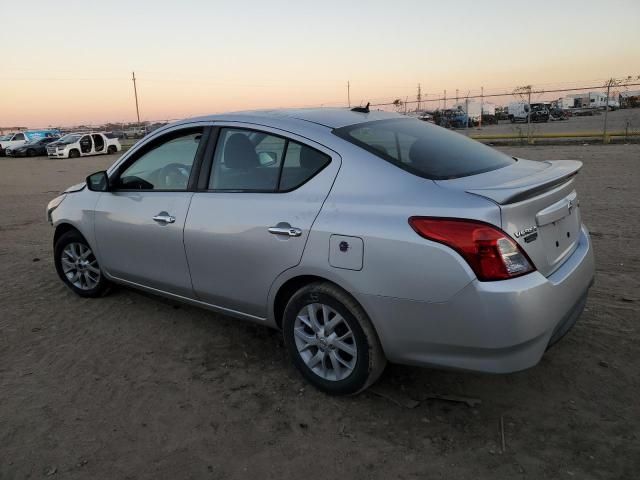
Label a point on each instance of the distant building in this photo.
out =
(589, 100)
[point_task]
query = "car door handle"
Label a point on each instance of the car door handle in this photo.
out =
(164, 218)
(286, 230)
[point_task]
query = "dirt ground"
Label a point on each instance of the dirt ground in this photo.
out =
(132, 386)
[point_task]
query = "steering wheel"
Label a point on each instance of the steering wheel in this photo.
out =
(173, 176)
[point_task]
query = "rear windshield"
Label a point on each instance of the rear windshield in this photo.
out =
(424, 149)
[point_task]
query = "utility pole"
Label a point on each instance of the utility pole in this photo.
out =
(445, 100)
(466, 109)
(481, 104)
(456, 95)
(529, 114)
(349, 93)
(606, 111)
(419, 98)
(135, 92)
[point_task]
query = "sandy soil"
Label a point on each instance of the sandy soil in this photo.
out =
(132, 386)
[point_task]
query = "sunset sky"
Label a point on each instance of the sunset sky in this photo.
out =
(70, 62)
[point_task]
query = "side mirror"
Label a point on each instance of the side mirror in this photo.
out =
(98, 182)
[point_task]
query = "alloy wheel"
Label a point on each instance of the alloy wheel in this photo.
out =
(80, 266)
(325, 342)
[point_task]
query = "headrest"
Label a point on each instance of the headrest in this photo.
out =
(239, 153)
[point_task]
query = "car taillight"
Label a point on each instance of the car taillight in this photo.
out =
(489, 251)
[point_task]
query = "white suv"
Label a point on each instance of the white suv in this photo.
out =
(75, 145)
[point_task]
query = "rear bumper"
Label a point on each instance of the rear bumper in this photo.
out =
(495, 327)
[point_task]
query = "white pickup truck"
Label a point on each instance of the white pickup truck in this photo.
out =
(75, 145)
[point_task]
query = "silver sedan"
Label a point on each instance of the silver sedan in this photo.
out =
(363, 236)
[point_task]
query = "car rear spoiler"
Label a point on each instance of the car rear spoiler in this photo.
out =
(557, 173)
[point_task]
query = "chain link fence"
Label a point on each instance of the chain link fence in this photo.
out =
(602, 112)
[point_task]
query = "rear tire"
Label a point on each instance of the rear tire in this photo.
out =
(112, 149)
(78, 267)
(331, 340)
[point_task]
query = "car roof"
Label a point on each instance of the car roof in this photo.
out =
(327, 117)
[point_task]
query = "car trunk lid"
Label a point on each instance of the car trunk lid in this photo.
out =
(538, 203)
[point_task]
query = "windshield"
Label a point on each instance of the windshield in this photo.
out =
(5, 138)
(69, 138)
(424, 149)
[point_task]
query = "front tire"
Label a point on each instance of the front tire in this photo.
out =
(331, 340)
(78, 267)
(74, 153)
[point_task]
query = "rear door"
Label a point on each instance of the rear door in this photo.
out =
(258, 198)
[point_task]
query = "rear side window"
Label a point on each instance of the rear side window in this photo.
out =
(300, 164)
(424, 149)
(253, 161)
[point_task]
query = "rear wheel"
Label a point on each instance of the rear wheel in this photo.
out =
(331, 340)
(112, 149)
(78, 267)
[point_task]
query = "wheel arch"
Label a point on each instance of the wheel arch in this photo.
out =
(292, 285)
(63, 228)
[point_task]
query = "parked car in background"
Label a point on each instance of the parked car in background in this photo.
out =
(135, 132)
(520, 112)
(32, 148)
(502, 113)
(557, 114)
(452, 118)
(19, 138)
(363, 236)
(75, 145)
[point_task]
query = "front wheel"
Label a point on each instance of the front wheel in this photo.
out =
(78, 267)
(331, 340)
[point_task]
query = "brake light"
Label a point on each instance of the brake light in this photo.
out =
(489, 251)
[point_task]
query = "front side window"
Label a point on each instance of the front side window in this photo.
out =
(248, 160)
(19, 136)
(165, 165)
(423, 149)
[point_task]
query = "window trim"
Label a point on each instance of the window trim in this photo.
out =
(205, 173)
(155, 142)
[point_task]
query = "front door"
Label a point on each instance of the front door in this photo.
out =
(252, 220)
(139, 224)
(86, 145)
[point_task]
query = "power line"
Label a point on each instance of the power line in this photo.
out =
(510, 94)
